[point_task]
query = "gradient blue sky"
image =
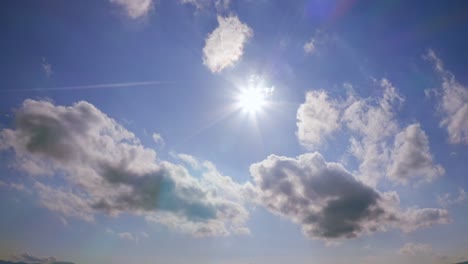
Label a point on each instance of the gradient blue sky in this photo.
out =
(122, 139)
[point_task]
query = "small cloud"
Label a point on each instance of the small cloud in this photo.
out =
(310, 47)
(446, 200)
(158, 139)
(225, 45)
(47, 67)
(413, 249)
(127, 236)
(316, 42)
(135, 9)
(317, 118)
(63, 221)
(219, 5)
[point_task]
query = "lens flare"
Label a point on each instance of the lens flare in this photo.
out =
(252, 100)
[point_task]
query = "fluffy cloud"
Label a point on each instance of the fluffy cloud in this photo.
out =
(134, 9)
(411, 157)
(225, 45)
(372, 128)
(317, 117)
(454, 102)
(372, 124)
(330, 203)
(415, 248)
(106, 169)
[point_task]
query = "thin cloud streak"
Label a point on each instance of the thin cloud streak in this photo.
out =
(92, 86)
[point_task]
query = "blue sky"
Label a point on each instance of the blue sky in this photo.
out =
(233, 131)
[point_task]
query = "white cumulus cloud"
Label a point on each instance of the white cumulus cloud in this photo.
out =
(317, 117)
(411, 157)
(107, 170)
(134, 9)
(381, 147)
(225, 45)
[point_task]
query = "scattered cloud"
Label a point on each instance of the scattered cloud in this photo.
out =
(411, 157)
(12, 185)
(453, 102)
(135, 9)
(47, 67)
(372, 125)
(446, 199)
(309, 47)
(219, 5)
(381, 147)
(106, 169)
(329, 203)
(317, 118)
(127, 236)
(414, 249)
(225, 45)
(426, 253)
(316, 43)
(158, 139)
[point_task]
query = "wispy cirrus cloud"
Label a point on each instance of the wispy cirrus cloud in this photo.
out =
(453, 98)
(415, 248)
(219, 5)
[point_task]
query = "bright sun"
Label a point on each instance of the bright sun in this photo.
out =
(252, 100)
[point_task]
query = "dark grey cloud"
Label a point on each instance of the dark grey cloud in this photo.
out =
(108, 170)
(26, 258)
(330, 203)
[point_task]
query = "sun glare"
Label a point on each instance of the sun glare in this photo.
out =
(252, 100)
